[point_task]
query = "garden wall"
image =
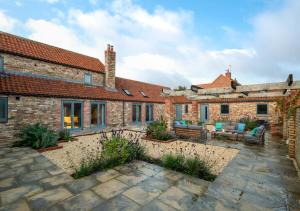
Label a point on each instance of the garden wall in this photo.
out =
(239, 110)
(297, 144)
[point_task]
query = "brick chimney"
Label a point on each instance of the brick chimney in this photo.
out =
(228, 72)
(110, 67)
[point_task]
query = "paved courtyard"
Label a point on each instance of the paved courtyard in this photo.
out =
(259, 178)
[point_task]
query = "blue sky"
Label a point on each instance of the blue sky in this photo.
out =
(172, 42)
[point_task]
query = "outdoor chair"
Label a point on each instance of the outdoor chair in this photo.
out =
(257, 138)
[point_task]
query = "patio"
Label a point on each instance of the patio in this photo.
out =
(258, 178)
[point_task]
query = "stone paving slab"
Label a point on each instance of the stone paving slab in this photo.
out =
(258, 178)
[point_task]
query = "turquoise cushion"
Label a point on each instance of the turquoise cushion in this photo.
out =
(218, 126)
(183, 122)
(241, 127)
(253, 132)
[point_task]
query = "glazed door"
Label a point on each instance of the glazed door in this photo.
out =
(204, 113)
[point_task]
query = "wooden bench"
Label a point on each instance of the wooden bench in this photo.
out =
(190, 131)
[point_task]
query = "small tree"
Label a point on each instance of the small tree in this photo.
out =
(180, 88)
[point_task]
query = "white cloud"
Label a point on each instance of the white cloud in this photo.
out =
(7, 23)
(162, 47)
(51, 1)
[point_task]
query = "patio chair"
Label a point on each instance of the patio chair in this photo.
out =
(257, 138)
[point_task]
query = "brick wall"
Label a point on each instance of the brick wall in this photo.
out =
(238, 110)
(297, 144)
(25, 65)
(291, 136)
(29, 110)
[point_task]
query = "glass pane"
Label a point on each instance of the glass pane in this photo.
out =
(151, 113)
(102, 114)
(147, 113)
(134, 113)
(139, 113)
(262, 109)
(67, 115)
(87, 79)
(94, 114)
(2, 108)
(77, 115)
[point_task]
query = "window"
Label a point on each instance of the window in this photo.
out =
(1, 63)
(224, 109)
(143, 93)
(137, 113)
(178, 109)
(87, 78)
(127, 92)
(72, 115)
(186, 109)
(262, 109)
(149, 112)
(3, 109)
(98, 115)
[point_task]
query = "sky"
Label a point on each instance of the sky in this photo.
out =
(170, 42)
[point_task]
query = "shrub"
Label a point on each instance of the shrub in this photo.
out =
(250, 123)
(198, 168)
(116, 151)
(191, 166)
(122, 149)
(174, 162)
(36, 136)
(158, 130)
(65, 135)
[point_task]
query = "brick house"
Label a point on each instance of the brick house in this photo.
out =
(68, 90)
(226, 99)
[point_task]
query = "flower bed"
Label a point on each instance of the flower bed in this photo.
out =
(71, 155)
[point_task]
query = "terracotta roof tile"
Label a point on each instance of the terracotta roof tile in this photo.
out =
(33, 86)
(28, 48)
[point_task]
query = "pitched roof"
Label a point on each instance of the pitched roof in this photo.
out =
(32, 49)
(220, 82)
(33, 86)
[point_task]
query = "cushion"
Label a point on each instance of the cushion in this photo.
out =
(177, 123)
(253, 132)
(218, 126)
(183, 122)
(241, 127)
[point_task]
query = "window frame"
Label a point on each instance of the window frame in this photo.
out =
(260, 104)
(143, 93)
(1, 63)
(127, 92)
(186, 108)
(98, 103)
(137, 122)
(221, 109)
(5, 119)
(72, 102)
(151, 112)
(91, 78)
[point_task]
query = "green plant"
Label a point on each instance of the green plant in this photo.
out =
(116, 151)
(174, 162)
(65, 135)
(198, 168)
(158, 130)
(250, 124)
(36, 136)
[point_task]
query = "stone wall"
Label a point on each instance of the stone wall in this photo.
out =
(26, 65)
(29, 110)
(239, 110)
(297, 144)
